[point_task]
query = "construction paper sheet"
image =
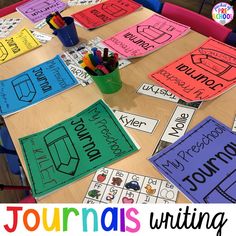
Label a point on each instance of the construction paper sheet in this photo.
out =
(118, 186)
(17, 44)
(202, 163)
(74, 148)
(73, 3)
(146, 37)
(34, 85)
(105, 12)
(7, 25)
(37, 10)
(202, 74)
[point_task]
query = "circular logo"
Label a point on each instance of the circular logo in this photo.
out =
(222, 13)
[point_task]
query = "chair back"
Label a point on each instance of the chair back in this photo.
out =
(231, 39)
(154, 5)
(197, 22)
(9, 149)
(12, 8)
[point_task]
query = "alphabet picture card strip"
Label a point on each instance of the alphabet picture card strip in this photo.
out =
(162, 93)
(136, 122)
(146, 37)
(37, 10)
(202, 163)
(203, 74)
(17, 44)
(74, 148)
(118, 186)
(35, 85)
(105, 12)
(176, 127)
(7, 25)
(78, 72)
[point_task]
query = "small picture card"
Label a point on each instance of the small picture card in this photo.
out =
(42, 37)
(7, 25)
(73, 3)
(40, 25)
(117, 186)
(136, 122)
(176, 127)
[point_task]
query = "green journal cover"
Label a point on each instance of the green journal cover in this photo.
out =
(74, 148)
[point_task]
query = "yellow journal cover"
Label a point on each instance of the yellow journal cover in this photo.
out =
(17, 44)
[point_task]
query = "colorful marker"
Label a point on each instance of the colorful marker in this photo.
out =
(88, 62)
(98, 65)
(99, 55)
(103, 69)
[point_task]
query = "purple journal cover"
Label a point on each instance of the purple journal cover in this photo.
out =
(37, 10)
(202, 163)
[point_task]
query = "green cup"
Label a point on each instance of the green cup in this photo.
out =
(109, 83)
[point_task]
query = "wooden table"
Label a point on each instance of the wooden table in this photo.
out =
(69, 103)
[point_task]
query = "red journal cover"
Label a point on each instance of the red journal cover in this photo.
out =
(103, 13)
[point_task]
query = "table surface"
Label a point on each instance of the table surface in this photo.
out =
(71, 102)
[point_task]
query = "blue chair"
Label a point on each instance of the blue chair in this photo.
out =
(13, 162)
(154, 5)
(232, 2)
(205, 1)
(231, 39)
(8, 148)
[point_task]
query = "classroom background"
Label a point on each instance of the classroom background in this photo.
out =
(202, 6)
